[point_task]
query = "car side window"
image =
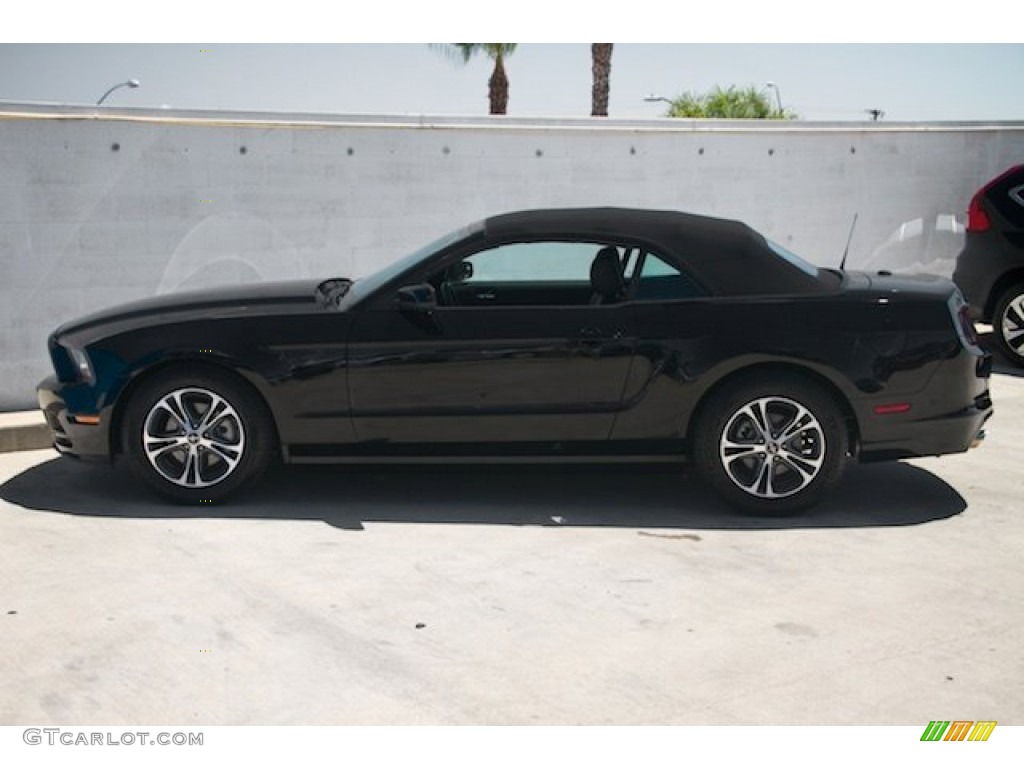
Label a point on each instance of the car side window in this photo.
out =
(541, 262)
(661, 281)
(535, 273)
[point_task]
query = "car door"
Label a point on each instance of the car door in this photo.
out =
(517, 349)
(677, 339)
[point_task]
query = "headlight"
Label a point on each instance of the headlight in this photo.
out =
(82, 364)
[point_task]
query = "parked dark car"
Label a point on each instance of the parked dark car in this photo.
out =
(990, 269)
(584, 335)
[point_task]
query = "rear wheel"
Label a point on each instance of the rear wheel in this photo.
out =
(771, 446)
(197, 436)
(1008, 324)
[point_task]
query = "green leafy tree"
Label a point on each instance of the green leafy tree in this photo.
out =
(601, 66)
(498, 83)
(728, 103)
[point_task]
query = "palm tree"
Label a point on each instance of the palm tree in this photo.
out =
(498, 83)
(601, 65)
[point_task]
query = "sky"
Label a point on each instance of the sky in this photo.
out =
(924, 81)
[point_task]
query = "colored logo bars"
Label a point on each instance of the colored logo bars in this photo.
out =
(958, 730)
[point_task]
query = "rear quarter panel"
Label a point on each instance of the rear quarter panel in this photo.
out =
(866, 350)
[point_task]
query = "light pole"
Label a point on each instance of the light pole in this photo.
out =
(778, 96)
(653, 98)
(133, 83)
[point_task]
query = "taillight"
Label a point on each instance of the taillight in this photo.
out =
(960, 313)
(977, 219)
(967, 325)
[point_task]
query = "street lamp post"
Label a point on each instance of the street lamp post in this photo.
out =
(778, 96)
(133, 83)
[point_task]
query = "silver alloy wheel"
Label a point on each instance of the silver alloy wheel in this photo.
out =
(193, 437)
(1012, 324)
(772, 447)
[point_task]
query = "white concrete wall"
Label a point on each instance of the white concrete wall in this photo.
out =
(103, 206)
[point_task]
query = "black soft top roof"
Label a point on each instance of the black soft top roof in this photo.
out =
(727, 256)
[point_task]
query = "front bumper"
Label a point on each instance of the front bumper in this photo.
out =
(71, 437)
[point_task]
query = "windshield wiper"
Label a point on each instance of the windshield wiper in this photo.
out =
(330, 292)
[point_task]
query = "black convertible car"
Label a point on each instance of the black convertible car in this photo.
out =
(585, 334)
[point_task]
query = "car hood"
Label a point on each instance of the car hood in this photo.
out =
(229, 300)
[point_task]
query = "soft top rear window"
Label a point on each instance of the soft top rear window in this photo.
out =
(797, 261)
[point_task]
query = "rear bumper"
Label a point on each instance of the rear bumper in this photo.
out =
(70, 436)
(954, 433)
(939, 421)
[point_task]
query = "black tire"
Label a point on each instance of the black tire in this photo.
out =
(1007, 321)
(771, 476)
(213, 460)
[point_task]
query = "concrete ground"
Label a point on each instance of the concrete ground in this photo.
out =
(516, 596)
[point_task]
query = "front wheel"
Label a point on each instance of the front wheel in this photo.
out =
(197, 436)
(772, 446)
(1008, 324)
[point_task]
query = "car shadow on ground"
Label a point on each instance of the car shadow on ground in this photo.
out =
(346, 497)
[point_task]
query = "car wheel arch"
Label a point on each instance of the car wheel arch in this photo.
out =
(818, 379)
(1006, 339)
(141, 377)
(999, 287)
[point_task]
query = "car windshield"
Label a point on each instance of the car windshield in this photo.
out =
(800, 263)
(367, 285)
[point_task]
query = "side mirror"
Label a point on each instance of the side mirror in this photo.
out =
(460, 272)
(417, 298)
